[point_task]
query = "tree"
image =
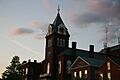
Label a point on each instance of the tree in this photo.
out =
(12, 71)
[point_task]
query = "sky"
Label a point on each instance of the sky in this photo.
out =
(24, 25)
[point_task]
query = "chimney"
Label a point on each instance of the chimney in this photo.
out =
(91, 49)
(107, 52)
(29, 60)
(35, 61)
(74, 45)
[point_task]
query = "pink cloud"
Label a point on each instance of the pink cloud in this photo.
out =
(105, 7)
(36, 24)
(20, 31)
(39, 36)
(47, 4)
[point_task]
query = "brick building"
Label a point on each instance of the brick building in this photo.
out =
(30, 70)
(64, 63)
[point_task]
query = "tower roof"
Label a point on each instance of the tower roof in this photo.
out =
(58, 26)
(57, 20)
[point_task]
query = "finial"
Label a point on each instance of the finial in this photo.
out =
(58, 8)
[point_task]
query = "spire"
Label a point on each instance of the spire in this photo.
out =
(58, 8)
(58, 19)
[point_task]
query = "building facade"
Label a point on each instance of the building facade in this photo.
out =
(69, 63)
(30, 70)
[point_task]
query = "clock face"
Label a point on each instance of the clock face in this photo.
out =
(61, 29)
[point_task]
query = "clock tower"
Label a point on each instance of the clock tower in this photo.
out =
(57, 39)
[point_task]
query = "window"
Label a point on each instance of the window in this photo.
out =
(63, 42)
(49, 30)
(108, 65)
(25, 78)
(101, 76)
(26, 71)
(80, 74)
(68, 66)
(60, 42)
(85, 73)
(48, 68)
(59, 68)
(75, 74)
(109, 76)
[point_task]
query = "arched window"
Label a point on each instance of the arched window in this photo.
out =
(48, 68)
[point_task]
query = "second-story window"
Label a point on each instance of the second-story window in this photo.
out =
(108, 65)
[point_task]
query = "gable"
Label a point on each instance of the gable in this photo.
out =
(113, 60)
(78, 63)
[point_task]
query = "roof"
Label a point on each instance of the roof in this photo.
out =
(82, 53)
(57, 20)
(85, 56)
(86, 62)
(115, 59)
(57, 23)
(94, 62)
(113, 48)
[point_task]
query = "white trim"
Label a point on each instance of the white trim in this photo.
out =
(76, 61)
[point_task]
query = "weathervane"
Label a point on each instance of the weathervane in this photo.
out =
(58, 8)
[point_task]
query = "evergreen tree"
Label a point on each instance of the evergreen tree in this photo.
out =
(12, 71)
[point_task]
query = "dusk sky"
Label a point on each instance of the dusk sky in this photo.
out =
(24, 25)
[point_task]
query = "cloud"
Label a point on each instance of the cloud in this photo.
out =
(36, 24)
(103, 12)
(100, 11)
(23, 46)
(48, 5)
(109, 8)
(20, 31)
(40, 29)
(89, 18)
(39, 36)
(41, 32)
